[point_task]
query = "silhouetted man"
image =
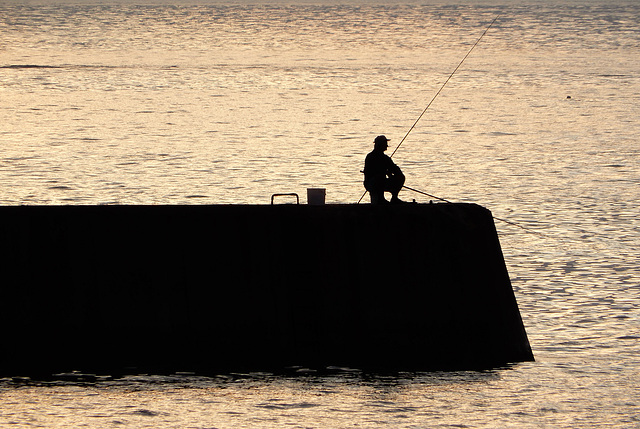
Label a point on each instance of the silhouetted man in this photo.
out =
(381, 174)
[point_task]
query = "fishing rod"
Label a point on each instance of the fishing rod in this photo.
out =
(529, 230)
(424, 193)
(443, 85)
(438, 93)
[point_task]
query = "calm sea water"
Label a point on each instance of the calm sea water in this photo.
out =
(212, 103)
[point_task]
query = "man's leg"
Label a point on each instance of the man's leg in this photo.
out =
(377, 197)
(395, 186)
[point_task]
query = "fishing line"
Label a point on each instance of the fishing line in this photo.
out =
(438, 93)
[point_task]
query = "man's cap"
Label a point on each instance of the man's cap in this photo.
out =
(380, 139)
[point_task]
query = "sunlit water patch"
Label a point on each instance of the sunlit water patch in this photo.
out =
(228, 104)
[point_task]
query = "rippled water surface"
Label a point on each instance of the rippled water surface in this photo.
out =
(208, 103)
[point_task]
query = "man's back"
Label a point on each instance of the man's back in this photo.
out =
(376, 165)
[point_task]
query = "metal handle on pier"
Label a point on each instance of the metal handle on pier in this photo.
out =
(292, 194)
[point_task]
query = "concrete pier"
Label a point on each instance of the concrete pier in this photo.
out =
(220, 288)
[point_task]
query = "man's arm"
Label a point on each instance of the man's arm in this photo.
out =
(392, 168)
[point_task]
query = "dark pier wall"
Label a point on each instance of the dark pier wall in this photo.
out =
(216, 288)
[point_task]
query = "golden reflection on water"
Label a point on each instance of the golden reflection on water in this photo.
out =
(228, 105)
(488, 399)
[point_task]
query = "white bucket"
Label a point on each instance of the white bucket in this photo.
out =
(315, 196)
